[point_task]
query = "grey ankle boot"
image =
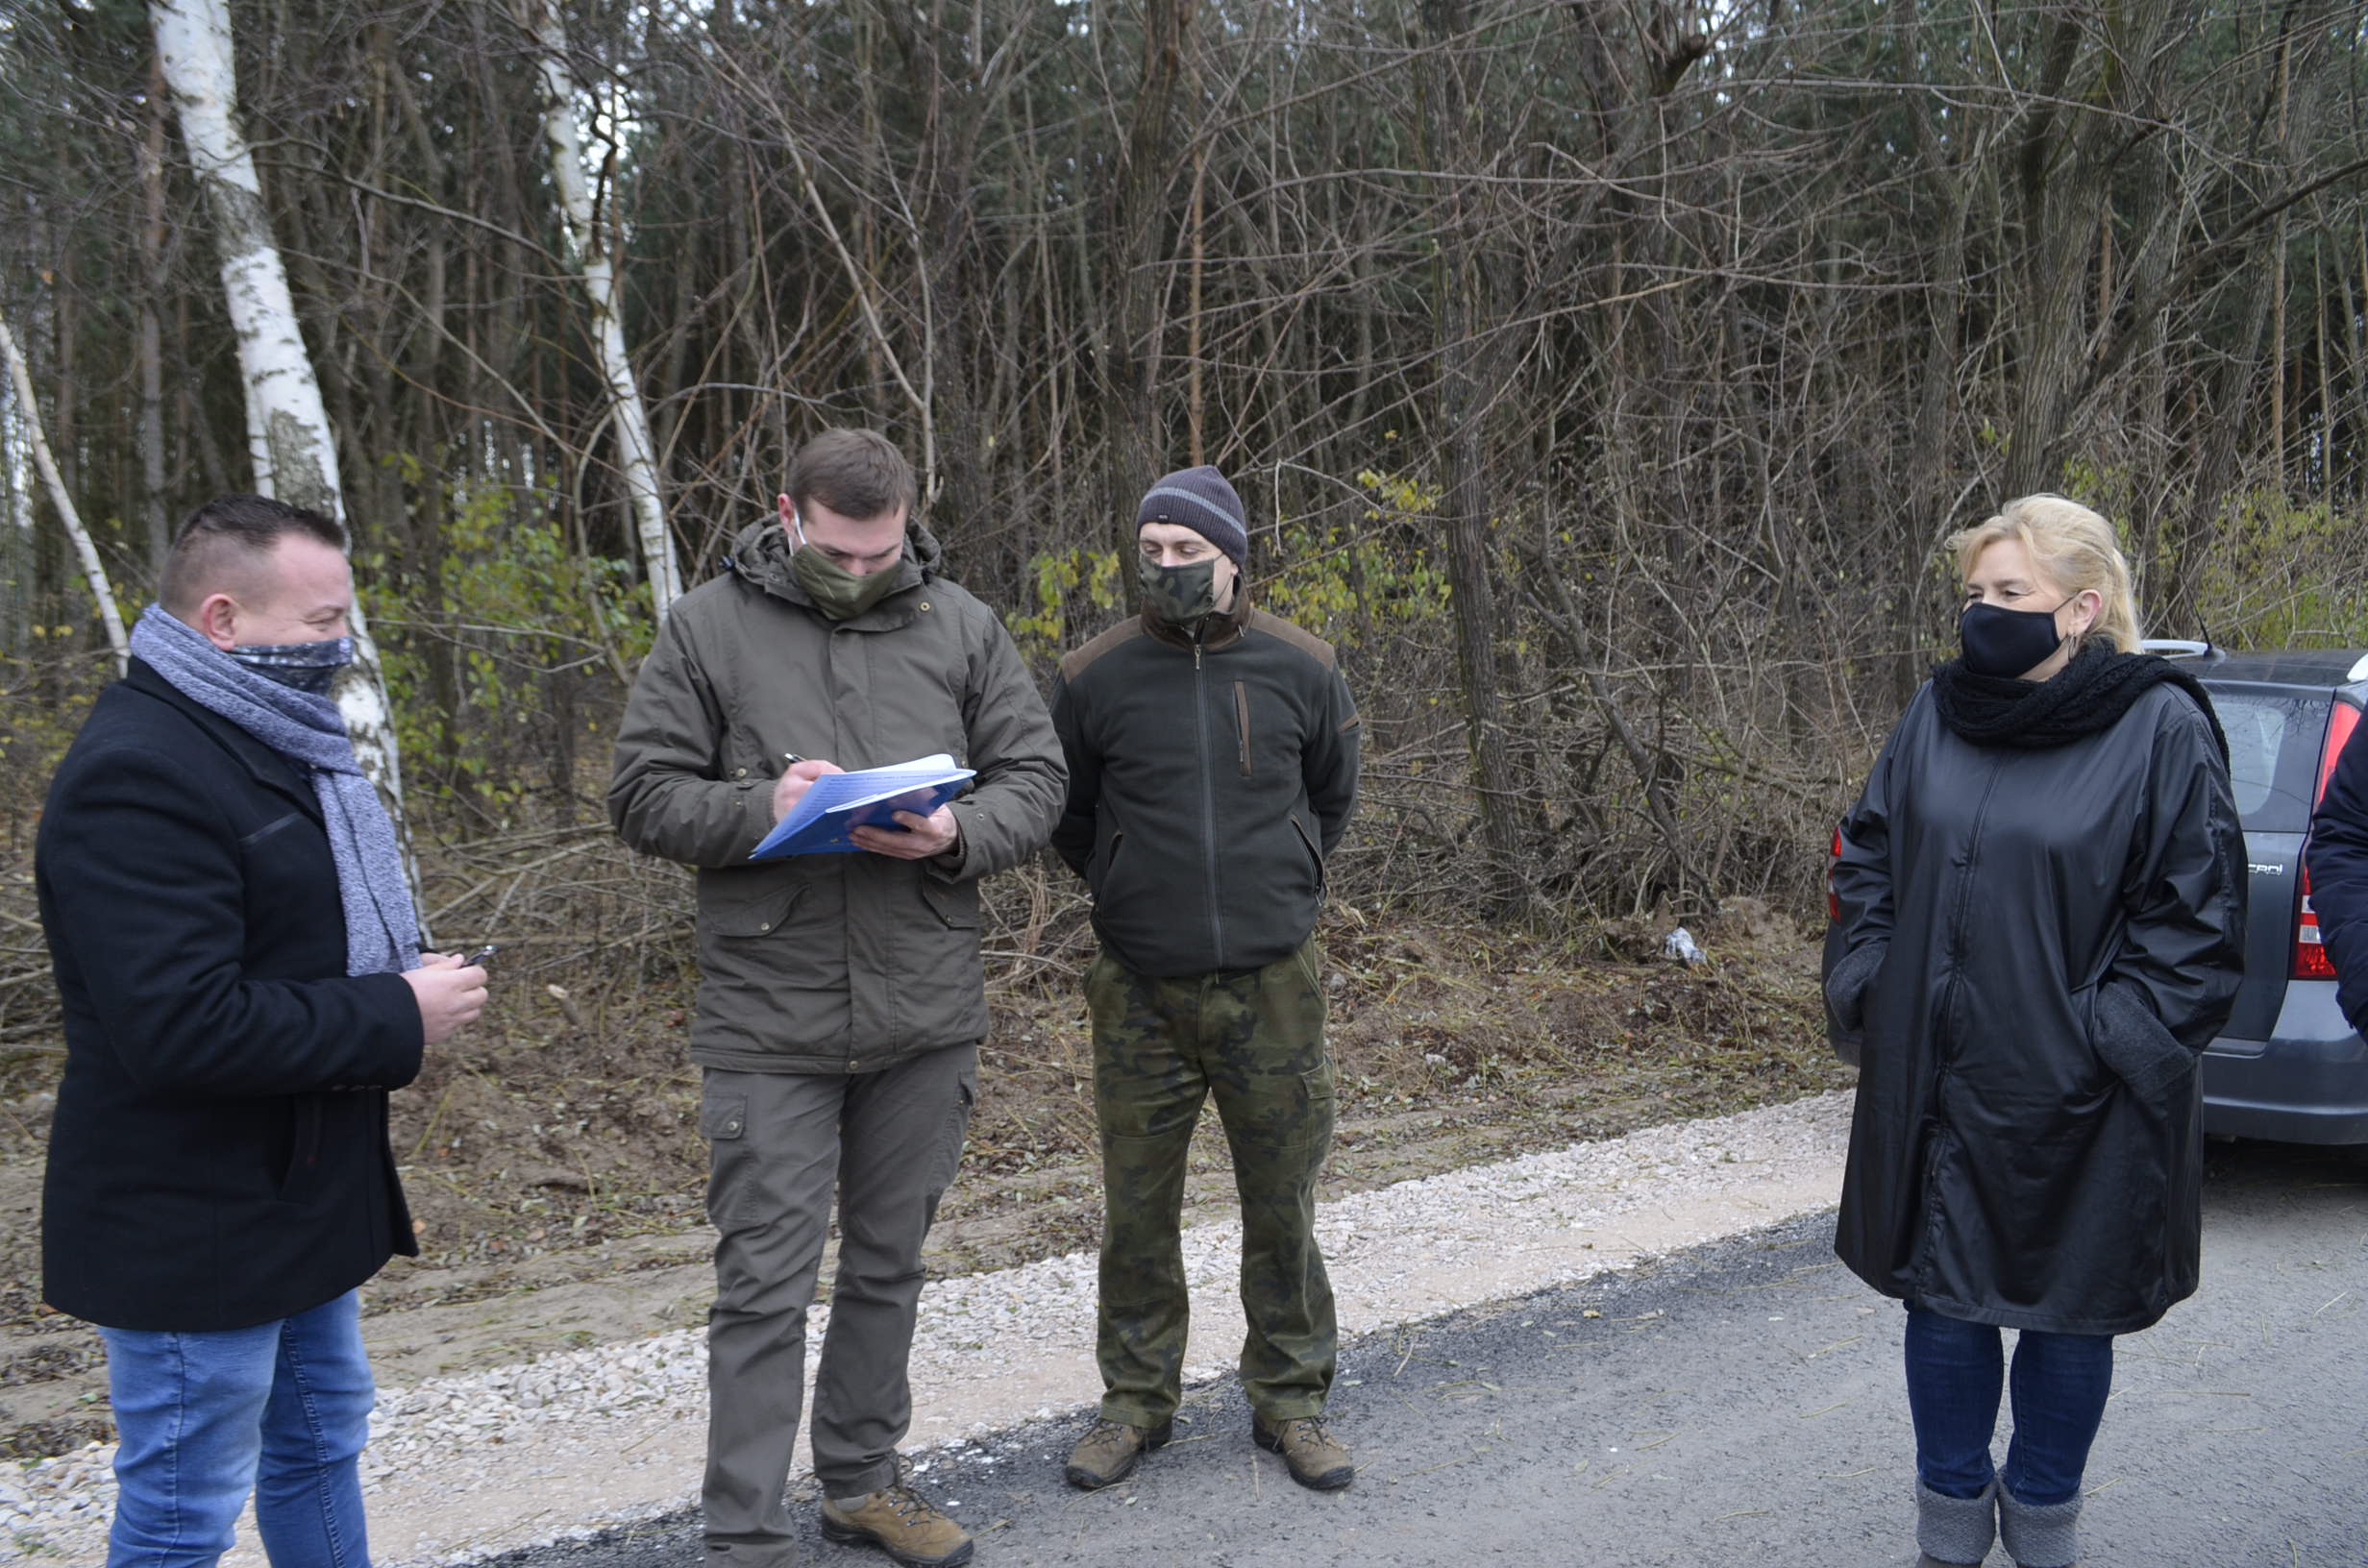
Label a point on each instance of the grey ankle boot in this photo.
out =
(2044, 1536)
(1955, 1531)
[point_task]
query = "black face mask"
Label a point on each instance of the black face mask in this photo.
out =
(2005, 643)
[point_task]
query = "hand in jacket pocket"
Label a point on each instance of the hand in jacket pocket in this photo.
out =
(1846, 989)
(2129, 1039)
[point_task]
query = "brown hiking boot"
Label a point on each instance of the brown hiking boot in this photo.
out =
(1315, 1456)
(1109, 1452)
(901, 1523)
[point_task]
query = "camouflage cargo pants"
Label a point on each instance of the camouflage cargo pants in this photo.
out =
(1254, 1040)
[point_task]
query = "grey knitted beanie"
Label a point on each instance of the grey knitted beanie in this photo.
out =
(1200, 500)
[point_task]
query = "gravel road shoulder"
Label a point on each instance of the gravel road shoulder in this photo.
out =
(463, 1466)
(1735, 1402)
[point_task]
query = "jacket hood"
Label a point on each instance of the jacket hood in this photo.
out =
(760, 557)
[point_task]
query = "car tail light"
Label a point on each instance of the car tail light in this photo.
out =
(2311, 960)
(1833, 899)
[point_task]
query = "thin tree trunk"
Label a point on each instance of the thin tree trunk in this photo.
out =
(294, 453)
(152, 330)
(603, 287)
(2326, 463)
(1126, 356)
(1460, 408)
(2277, 287)
(94, 571)
(1196, 397)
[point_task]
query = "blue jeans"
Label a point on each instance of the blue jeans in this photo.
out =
(1955, 1373)
(280, 1410)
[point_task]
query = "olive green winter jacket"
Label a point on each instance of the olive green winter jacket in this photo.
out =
(831, 963)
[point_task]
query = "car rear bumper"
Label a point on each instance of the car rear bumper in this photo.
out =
(2307, 1084)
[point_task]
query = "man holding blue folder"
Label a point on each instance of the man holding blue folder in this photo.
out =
(841, 1001)
(1212, 766)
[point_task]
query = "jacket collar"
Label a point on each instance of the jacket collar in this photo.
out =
(1218, 633)
(760, 557)
(269, 769)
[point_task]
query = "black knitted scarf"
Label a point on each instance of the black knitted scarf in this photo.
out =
(2088, 694)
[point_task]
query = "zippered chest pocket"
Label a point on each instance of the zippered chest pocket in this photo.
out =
(1268, 729)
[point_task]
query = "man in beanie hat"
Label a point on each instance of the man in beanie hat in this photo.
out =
(1212, 756)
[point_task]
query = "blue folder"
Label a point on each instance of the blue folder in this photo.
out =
(825, 816)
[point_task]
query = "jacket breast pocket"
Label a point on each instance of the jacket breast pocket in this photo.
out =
(277, 825)
(289, 882)
(1244, 730)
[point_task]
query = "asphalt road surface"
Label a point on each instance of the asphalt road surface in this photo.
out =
(1741, 1404)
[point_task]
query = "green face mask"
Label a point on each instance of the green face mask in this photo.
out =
(1181, 595)
(838, 592)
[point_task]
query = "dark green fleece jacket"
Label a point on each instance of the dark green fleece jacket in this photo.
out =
(1208, 780)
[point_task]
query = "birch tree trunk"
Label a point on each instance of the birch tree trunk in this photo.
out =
(94, 569)
(604, 289)
(153, 295)
(289, 439)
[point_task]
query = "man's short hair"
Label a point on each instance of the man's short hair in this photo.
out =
(858, 474)
(228, 533)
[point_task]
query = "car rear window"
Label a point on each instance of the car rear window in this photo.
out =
(2273, 740)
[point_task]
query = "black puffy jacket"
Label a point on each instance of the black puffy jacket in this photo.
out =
(2038, 942)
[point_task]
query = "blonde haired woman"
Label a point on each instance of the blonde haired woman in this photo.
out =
(2043, 904)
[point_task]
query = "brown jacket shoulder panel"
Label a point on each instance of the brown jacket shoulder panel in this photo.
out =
(1075, 661)
(1306, 642)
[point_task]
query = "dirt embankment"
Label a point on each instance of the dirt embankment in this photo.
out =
(556, 1169)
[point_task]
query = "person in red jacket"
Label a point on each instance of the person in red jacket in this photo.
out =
(237, 958)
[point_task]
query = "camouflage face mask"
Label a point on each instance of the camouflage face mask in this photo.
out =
(1181, 595)
(838, 592)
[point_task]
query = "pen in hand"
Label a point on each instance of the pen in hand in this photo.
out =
(798, 775)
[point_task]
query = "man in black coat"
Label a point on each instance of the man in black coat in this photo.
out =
(237, 955)
(2337, 862)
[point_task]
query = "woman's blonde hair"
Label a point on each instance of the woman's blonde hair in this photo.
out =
(2073, 547)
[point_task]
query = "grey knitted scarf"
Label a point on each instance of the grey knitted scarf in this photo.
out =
(381, 927)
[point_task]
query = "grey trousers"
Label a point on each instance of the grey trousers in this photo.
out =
(778, 1143)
